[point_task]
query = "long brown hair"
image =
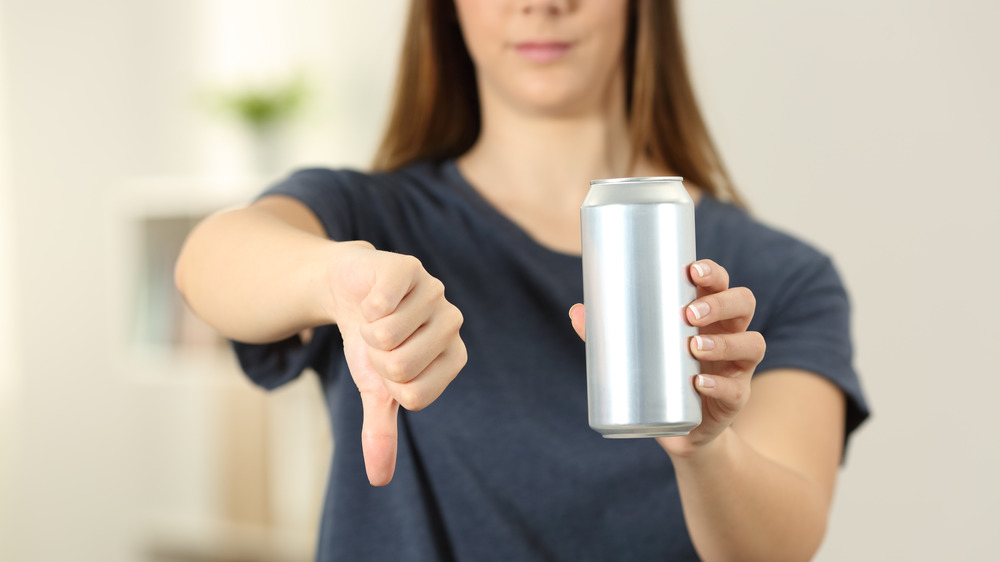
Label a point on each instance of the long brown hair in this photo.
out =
(435, 111)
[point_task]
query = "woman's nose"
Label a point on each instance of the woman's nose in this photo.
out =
(547, 7)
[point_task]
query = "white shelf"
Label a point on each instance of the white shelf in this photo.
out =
(185, 196)
(149, 218)
(230, 443)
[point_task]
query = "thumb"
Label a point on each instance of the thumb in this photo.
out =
(378, 429)
(378, 435)
(578, 316)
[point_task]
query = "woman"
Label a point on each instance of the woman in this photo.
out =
(504, 112)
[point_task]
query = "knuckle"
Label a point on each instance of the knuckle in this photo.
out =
(722, 345)
(412, 398)
(716, 305)
(760, 344)
(397, 369)
(376, 306)
(412, 263)
(384, 338)
(461, 356)
(377, 301)
(359, 244)
(741, 393)
(436, 287)
(406, 399)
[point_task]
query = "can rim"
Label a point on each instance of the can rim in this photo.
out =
(652, 179)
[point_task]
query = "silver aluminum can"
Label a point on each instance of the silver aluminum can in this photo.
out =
(638, 242)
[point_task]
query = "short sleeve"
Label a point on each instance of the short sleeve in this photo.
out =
(331, 195)
(272, 365)
(808, 328)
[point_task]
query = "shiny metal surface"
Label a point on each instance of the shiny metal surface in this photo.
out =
(638, 241)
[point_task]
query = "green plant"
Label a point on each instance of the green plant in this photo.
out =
(262, 107)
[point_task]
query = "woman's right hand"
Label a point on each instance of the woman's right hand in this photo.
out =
(401, 341)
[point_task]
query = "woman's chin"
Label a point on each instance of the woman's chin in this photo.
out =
(556, 103)
(557, 92)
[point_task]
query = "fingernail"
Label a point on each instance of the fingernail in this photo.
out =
(703, 343)
(703, 269)
(571, 310)
(699, 309)
(705, 382)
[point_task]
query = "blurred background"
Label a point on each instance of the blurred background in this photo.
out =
(870, 129)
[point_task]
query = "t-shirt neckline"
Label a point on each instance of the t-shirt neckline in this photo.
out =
(498, 219)
(510, 228)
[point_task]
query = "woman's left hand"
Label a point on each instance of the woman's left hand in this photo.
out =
(727, 351)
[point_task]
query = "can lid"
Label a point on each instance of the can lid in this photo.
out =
(636, 191)
(637, 180)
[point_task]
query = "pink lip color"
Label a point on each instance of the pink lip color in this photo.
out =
(542, 51)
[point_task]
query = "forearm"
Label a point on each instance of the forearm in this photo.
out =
(740, 505)
(254, 277)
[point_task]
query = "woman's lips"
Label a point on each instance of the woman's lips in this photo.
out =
(542, 51)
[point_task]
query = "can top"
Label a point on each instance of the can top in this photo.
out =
(636, 191)
(637, 180)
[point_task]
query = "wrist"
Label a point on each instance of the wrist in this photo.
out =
(699, 453)
(339, 261)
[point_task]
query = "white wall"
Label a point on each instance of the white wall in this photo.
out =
(74, 94)
(873, 130)
(9, 348)
(94, 93)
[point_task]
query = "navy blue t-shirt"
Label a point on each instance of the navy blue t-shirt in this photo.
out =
(503, 466)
